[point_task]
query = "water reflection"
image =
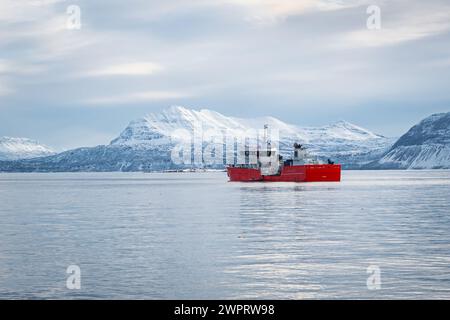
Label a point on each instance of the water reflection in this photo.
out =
(196, 236)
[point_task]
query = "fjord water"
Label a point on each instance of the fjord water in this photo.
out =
(194, 235)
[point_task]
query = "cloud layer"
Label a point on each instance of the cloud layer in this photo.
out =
(309, 62)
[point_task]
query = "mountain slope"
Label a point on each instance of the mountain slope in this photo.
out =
(22, 148)
(346, 143)
(425, 146)
(96, 159)
(146, 143)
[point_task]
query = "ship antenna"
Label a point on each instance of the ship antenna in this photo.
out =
(267, 138)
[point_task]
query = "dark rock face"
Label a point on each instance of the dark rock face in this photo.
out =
(432, 130)
(424, 146)
(97, 159)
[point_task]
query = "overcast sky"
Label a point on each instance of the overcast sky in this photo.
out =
(307, 62)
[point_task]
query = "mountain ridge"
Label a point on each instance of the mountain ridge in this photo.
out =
(146, 143)
(425, 146)
(13, 148)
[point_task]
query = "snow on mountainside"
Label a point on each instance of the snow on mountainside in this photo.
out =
(342, 141)
(155, 129)
(22, 148)
(146, 143)
(425, 146)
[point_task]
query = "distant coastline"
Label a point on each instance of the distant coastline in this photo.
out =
(146, 145)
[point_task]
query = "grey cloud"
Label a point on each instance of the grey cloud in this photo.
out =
(308, 66)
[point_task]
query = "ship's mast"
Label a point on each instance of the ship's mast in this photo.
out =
(267, 141)
(269, 162)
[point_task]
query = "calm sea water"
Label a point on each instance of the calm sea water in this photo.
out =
(194, 235)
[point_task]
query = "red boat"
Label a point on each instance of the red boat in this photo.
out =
(270, 167)
(294, 173)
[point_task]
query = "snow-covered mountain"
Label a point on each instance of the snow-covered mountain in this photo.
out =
(425, 146)
(155, 128)
(22, 148)
(342, 141)
(146, 144)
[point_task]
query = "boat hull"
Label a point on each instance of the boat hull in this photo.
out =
(298, 173)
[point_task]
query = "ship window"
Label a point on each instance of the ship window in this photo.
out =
(296, 153)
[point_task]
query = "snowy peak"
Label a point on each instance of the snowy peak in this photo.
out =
(350, 131)
(342, 141)
(158, 126)
(434, 129)
(180, 117)
(425, 146)
(22, 148)
(188, 118)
